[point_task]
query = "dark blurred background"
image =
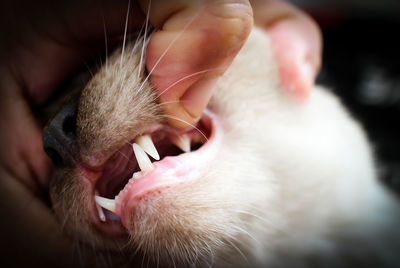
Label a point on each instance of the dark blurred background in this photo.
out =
(361, 63)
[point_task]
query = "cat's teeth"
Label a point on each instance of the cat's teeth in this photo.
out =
(136, 175)
(142, 158)
(147, 145)
(99, 209)
(106, 203)
(183, 143)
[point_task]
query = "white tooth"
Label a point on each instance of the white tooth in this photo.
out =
(101, 213)
(183, 142)
(147, 145)
(106, 203)
(99, 209)
(142, 158)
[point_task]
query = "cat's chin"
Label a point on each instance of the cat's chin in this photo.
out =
(129, 176)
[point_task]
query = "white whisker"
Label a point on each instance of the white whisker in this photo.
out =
(106, 42)
(90, 71)
(168, 102)
(183, 121)
(136, 43)
(251, 214)
(124, 155)
(184, 78)
(167, 49)
(125, 31)
(123, 80)
(241, 230)
(137, 40)
(144, 38)
(238, 249)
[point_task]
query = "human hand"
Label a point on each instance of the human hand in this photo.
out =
(45, 42)
(211, 47)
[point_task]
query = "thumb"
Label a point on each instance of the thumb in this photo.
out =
(195, 46)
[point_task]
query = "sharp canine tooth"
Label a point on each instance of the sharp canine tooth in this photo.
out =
(106, 203)
(147, 145)
(100, 210)
(142, 158)
(183, 142)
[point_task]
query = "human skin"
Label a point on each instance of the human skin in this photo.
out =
(44, 42)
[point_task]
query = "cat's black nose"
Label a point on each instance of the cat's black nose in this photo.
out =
(59, 138)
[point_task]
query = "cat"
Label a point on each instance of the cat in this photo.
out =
(263, 180)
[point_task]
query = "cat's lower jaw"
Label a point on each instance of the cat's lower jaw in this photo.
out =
(170, 171)
(115, 216)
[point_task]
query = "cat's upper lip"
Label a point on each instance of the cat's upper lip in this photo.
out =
(165, 173)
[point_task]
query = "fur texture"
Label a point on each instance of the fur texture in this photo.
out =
(293, 184)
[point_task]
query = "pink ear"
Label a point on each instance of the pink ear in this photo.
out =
(296, 55)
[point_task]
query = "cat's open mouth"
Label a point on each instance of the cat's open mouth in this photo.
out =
(153, 161)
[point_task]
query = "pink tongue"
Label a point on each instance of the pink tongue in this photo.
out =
(169, 171)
